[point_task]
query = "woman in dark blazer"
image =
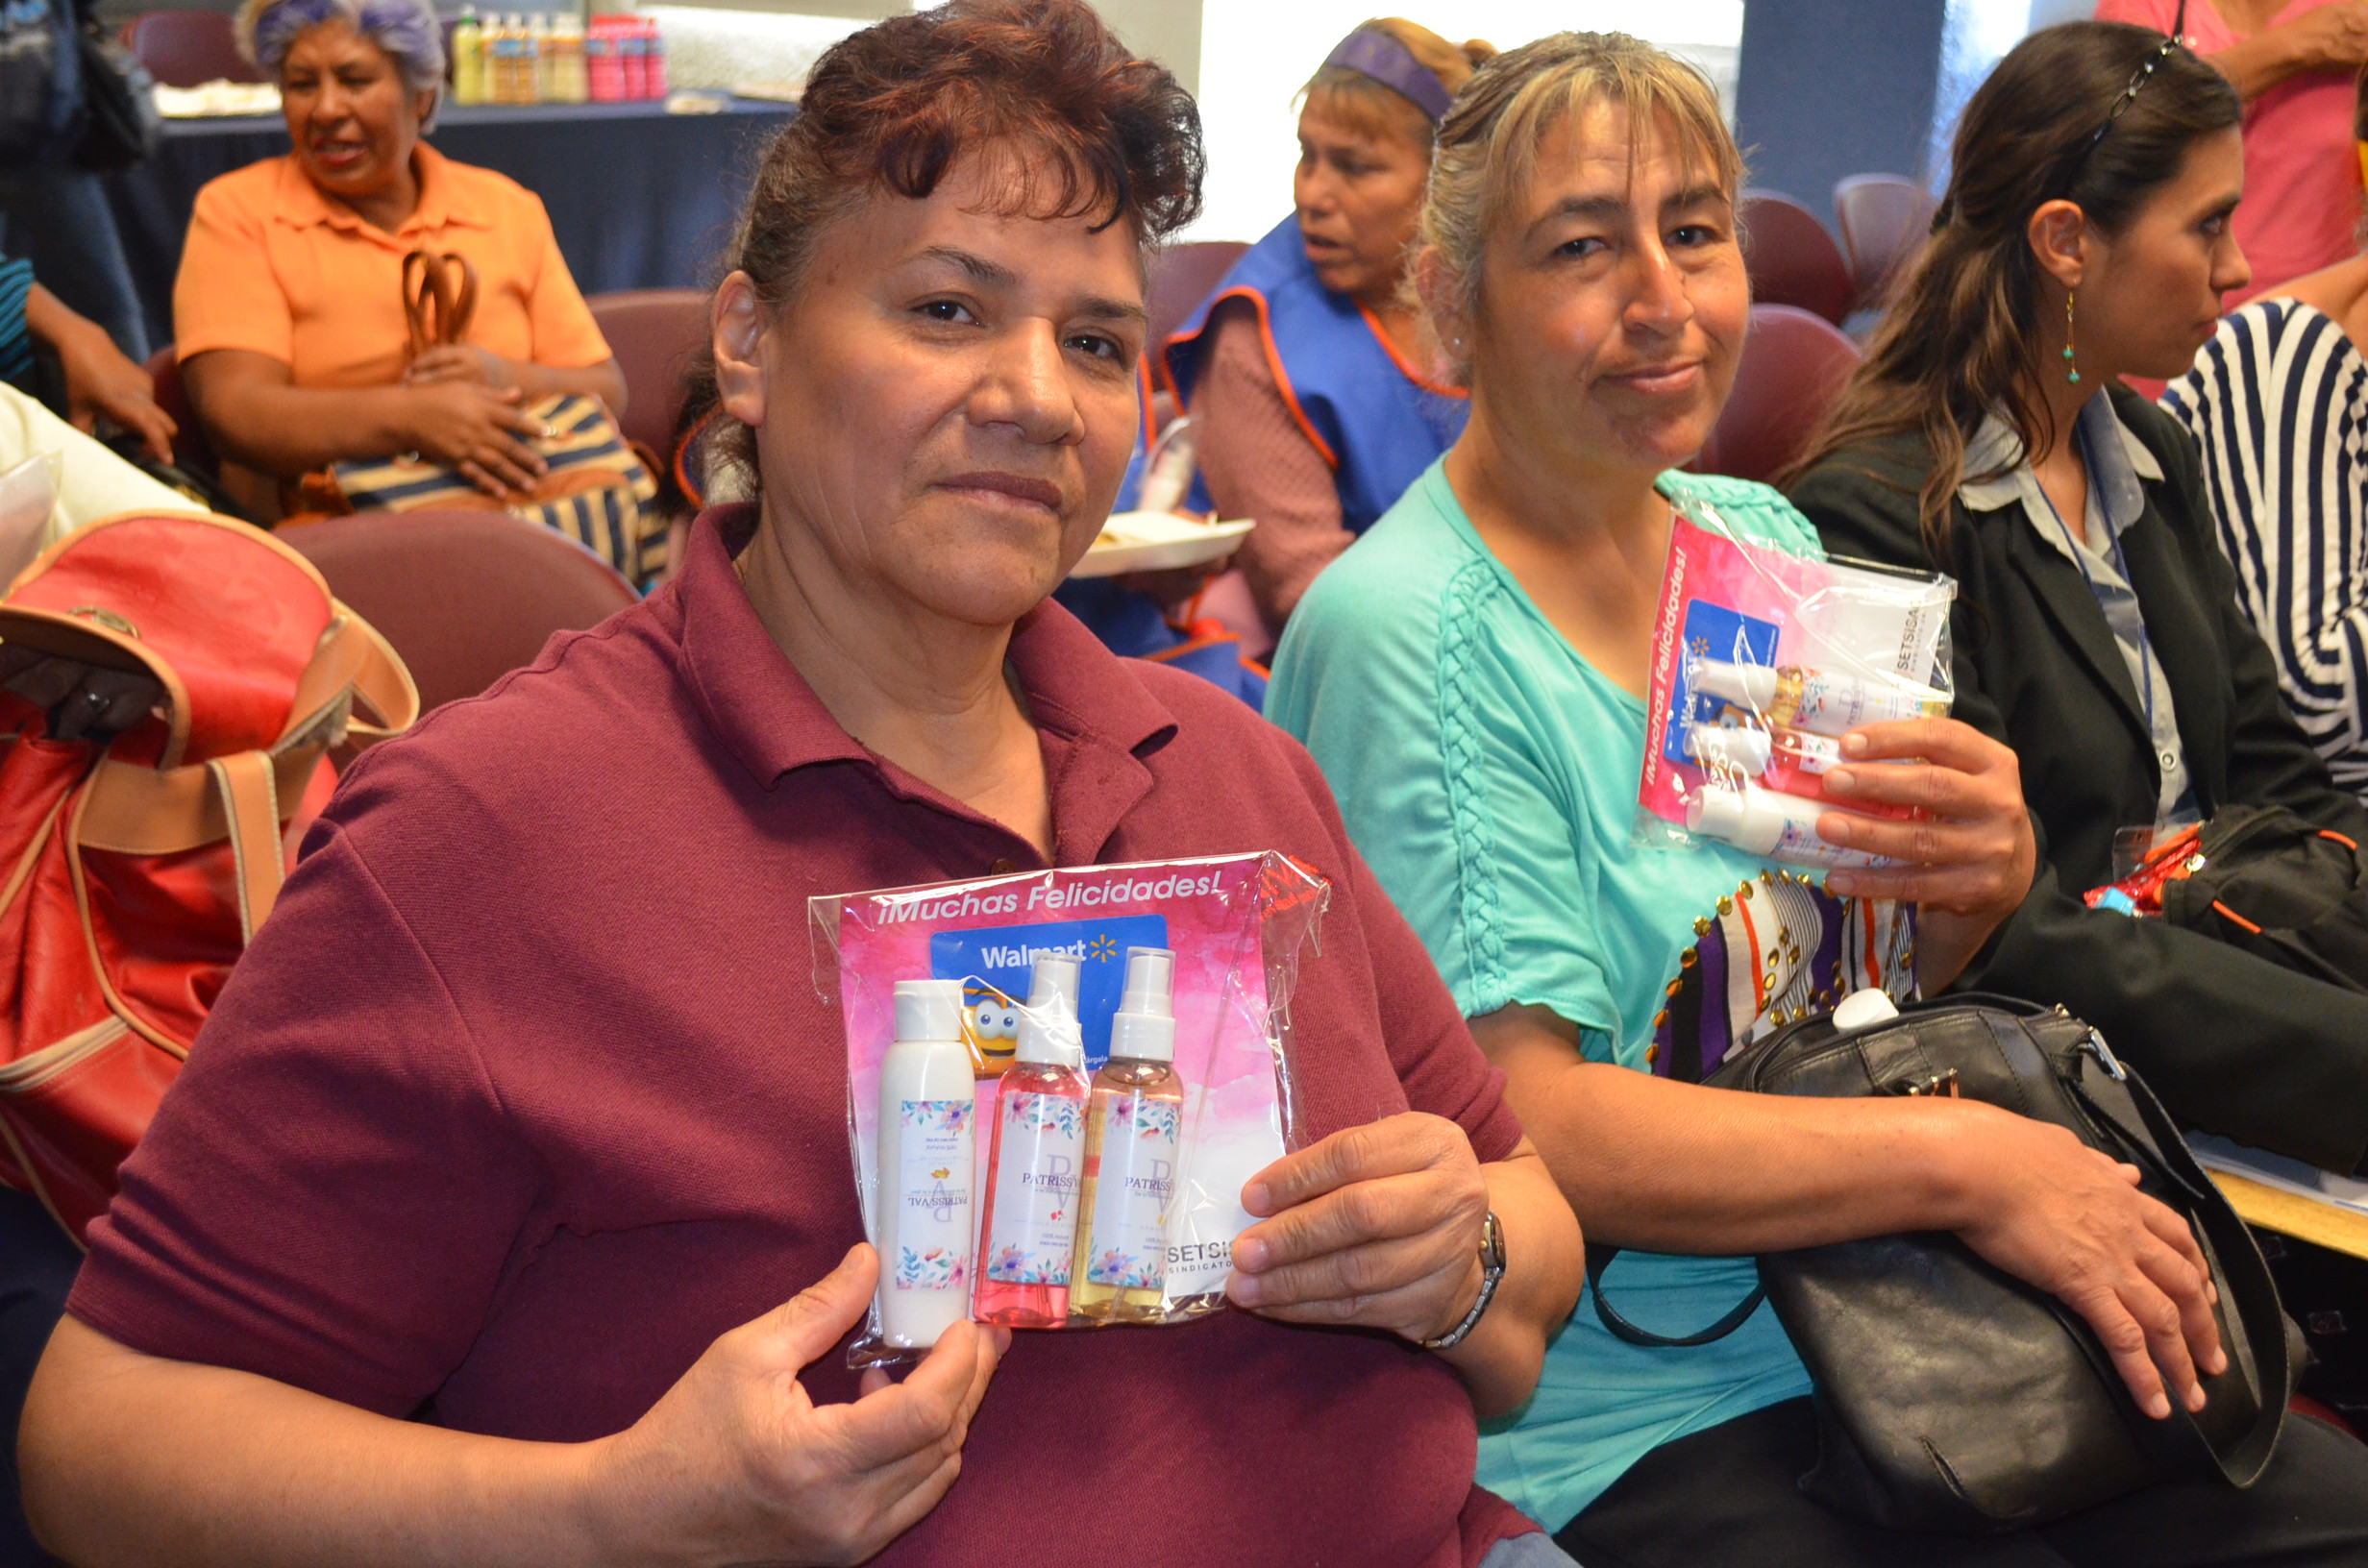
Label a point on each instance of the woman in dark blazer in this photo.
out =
(2085, 236)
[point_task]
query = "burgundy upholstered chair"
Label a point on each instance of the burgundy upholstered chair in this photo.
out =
(1792, 258)
(1884, 218)
(654, 333)
(188, 48)
(1794, 366)
(465, 597)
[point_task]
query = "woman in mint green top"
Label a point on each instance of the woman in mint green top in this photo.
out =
(1469, 678)
(1489, 774)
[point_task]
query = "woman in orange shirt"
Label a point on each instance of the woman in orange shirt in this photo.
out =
(289, 312)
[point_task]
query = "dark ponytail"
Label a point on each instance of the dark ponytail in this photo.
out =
(2057, 120)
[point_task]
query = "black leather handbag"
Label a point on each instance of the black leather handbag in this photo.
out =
(1950, 1396)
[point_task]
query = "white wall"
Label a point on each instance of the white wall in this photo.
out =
(1255, 55)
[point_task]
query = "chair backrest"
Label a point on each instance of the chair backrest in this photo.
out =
(1883, 218)
(1792, 258)
(465, 597)
(1793, 367)
(190, 448)
(188, 48)
(654, 332)
(1183, 276)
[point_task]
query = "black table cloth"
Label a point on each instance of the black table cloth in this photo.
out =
(639, 198)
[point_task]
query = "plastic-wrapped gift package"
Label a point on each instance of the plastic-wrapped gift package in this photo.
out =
(1057, 1083)
(1762, 661)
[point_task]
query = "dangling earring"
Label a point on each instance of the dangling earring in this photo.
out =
(2073, 371)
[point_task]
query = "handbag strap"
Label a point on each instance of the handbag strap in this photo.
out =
(138, 810)
(1599, 1260)
(251, 805)
(437, 310)
(2178, 1442)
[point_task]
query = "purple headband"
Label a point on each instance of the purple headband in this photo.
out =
(1371, 52)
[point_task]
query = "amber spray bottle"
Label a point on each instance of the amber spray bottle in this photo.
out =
(1036, 1164)
(1133, 1125)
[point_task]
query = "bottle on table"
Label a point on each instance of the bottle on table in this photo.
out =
(653, 59)
(468, 59)
(502, 60)
(544, 56)
(1134, 1124)
(603, 62)
(633, 58)
(569, 83)
(521, 62)
(927, 1099)
(1036, 1162)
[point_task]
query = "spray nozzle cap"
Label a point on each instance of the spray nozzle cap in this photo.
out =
(1049, 1030)
(1733, 747)
(929, 1010)
(1143, 1029)
(1752, 686)
(1716, 811)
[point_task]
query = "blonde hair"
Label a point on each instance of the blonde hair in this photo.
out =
(1357, 101)
(1489, 144)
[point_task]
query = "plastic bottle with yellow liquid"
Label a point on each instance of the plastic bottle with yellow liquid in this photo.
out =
(468, 59)
(1134, 1125)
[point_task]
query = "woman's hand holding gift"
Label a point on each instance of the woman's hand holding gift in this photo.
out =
(1967, 864)
(736, 1463)
(1377, 1226)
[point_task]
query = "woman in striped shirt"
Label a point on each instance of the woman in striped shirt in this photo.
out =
(2279, 402)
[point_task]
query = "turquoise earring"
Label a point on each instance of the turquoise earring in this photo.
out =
(2072, 372)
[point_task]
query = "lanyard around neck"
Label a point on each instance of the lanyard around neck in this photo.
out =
(2121, 564)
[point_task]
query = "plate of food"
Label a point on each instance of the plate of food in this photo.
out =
(1157, 542)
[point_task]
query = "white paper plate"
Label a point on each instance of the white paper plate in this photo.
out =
(1158, 542)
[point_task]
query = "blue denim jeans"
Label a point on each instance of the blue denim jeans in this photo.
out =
(58, 220)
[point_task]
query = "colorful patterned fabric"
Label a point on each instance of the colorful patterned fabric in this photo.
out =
(595, 493)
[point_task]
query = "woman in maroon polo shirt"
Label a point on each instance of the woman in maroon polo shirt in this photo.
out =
(464, 1238)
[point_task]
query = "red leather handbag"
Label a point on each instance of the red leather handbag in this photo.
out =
(173, 683)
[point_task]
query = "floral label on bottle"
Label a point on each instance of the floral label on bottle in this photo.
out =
(934, 1183)
(1129, 1245)
(1034, 1226)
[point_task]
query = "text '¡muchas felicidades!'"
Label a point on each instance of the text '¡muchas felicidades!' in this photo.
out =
(1041, 895)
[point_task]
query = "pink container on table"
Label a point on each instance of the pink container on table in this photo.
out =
(633, 65)
(604, 69)
(654, 57)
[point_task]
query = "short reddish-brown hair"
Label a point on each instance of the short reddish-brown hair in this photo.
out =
(1082, 127)
(895, 107)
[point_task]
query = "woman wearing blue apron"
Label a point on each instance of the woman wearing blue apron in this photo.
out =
(1316, 394)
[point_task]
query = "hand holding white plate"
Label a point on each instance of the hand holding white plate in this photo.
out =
(1157, 542)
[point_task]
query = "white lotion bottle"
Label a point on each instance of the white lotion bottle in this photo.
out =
(1814, 699)
(1740, 748)
(1763, 822)
(928, 1107)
